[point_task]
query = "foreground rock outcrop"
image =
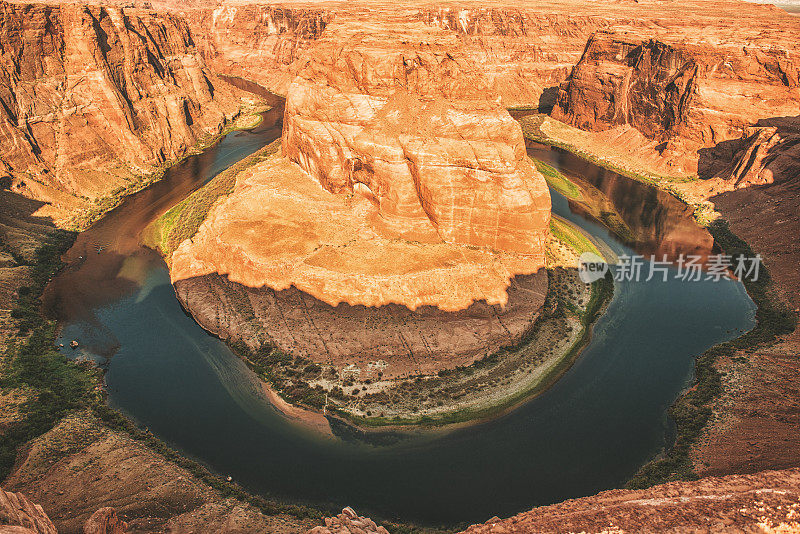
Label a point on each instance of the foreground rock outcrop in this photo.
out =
(765, 502)
(95, 97)
(105, 521)
(28, 518)
(80, 467)
(349, 522)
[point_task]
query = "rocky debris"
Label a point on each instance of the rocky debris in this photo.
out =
(17, 511)
(348, 522)
(105, 521)
(18, 515)
(762, 156)
(93, 97)
(764, 502)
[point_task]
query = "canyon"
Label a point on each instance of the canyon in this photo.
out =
(403, 214)
(96, 98)
(401, 225)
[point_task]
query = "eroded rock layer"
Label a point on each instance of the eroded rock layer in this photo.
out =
(694, 96)
(284, 262)
(764, 502)
(91, 97)
(258, 42)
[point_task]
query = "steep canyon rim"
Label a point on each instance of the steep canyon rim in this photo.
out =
(758, 157)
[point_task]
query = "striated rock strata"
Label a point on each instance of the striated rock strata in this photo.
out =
(79, 468)
(18, 515)
(259, 42)
(693, 96)
(92, 97)
(307, 271)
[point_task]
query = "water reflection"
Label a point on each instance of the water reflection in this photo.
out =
(108, 261)
(646, 219)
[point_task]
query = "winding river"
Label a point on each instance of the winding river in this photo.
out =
(591, 431)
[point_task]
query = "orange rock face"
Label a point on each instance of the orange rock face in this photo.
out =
(688, 91)
(398, 158)
(280, 229)
(93, 96)
(20, 516)
(262, 43)
(411, 124)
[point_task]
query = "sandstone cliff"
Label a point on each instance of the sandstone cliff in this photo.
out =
(93, 97)
(29, 518)
(689, 95)
(258, 42)
(409, 123)
(763, 155)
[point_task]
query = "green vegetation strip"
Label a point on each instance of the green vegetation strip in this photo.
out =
(602, 292)
(182, 221)
(557, 180)
(575, 237)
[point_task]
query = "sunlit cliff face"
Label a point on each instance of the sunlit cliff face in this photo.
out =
(404, 180)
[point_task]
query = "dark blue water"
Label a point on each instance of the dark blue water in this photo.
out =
(591, 431)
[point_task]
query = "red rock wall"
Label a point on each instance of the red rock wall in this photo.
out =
(19, 515)
(523, 54)
(417, 128)
(260, 43)
(648, 85)
(90, 96)
(692, 94)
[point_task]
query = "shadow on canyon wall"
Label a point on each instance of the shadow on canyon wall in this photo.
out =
(409, 341)
(21, 229)
(771, 145)
(548, 99)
